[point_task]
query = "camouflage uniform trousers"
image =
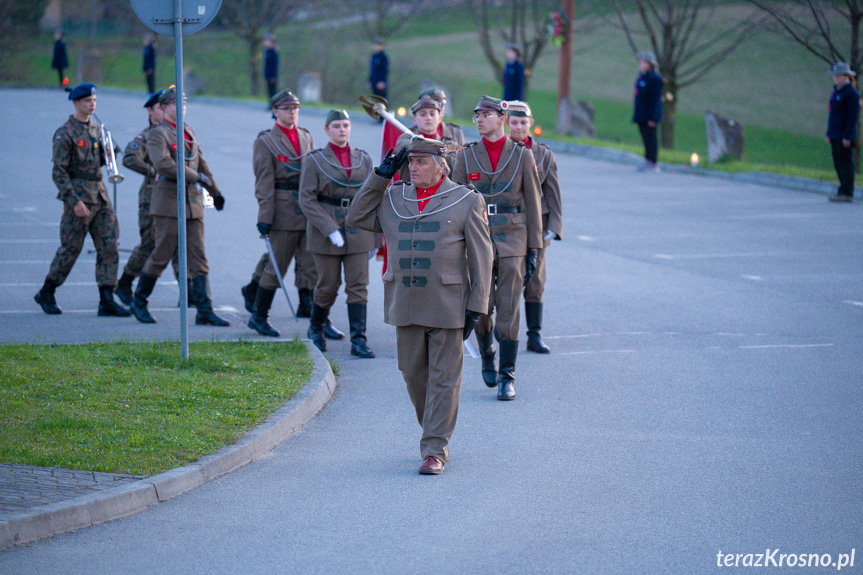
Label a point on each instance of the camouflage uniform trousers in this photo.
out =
(102, 226)
(305, 274)
(148, 243)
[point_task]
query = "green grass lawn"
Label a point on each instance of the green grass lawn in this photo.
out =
(139, 408)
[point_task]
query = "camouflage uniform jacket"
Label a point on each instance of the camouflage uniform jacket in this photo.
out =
(77, 158)
(135, 158)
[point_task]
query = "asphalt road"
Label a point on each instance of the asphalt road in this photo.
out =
(703, 394)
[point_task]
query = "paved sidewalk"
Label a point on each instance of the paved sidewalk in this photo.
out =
(27, 487)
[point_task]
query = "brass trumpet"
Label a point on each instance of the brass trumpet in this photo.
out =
(114, 175)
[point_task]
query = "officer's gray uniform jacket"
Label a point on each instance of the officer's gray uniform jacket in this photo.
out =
(325, 194)
(439, 261)
(77, 157)
(162, 150)
(277, 178)
(512, 194)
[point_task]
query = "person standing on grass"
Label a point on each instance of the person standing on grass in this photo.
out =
(842, 128)
(647, 111)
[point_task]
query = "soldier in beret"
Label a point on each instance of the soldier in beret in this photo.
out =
(277, 156)
(162, 151)
(135, 158)
(330, 178)
(504, 172)
(78, 158)
(437, 282)
(520, 120)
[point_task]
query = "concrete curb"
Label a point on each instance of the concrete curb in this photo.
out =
(96, 508)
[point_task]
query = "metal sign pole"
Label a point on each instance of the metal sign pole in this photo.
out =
(181, 179)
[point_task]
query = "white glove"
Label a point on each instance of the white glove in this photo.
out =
(549, 236)
(337, 238)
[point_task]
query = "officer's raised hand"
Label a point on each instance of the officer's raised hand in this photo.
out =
(391, 163)
(531, 266)
(471, 318)
(263, 229)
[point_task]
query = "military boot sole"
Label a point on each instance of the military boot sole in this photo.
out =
(263, 327)
(362, 351)
(47, 307)
(332, 333)
(537, 346)
(142, 314)
(211, 319)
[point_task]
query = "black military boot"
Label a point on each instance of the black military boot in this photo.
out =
(506, 374)
(139, 302)
(258, 321)
(316, 326)
(249, 292)
(124, 288)
(45, 298)
(304, 308)
(357, 321)
(485, 343)
(205, 315)
(533, 315)
(330, 331)
(107, 305)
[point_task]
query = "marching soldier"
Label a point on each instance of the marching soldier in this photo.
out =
(78, 157)
(162, 151)
(330, 179)
(504, 172)
(447, 132)
(436, 286)
(520, 121)
(135, 158)
(277, 159)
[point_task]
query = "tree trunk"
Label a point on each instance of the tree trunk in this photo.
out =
(669, 112)
(254, 64)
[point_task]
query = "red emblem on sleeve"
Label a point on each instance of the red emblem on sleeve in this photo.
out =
(81, 143)
(473, 176)
(282, 158)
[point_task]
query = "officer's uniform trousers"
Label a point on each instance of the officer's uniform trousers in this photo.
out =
(439, 265)
(326, 192)
(512, 193)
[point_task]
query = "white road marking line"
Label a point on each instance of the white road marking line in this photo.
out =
(586, 238)
(25, 209)
(709, 256)
(753, 278)
(69, 311)
(852, 302)
(597, 352)
(37, 241)
(227, 309)
(579, 336)
(787, 346)
(17, 285)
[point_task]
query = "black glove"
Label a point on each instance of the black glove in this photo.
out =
(531, 266)
(205, 181)
(264, 229)
(391, 163)
(219, 202)
(471, 318)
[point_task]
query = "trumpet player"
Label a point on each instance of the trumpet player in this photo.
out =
(78, 155)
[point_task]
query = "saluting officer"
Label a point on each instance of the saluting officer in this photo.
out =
(504, 172)
(427, 117)
(77, 173)
(520, 121)
(162, 151)
(437, 282)
(330, 179)
(135, 158)
(277, 160)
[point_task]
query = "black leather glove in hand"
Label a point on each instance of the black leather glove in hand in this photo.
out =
(471, 318)
(205, 181)
(219, 202)
(391, 163)
(531, 266)
(264, 229)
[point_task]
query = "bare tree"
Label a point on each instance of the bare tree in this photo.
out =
(521, 22)
(383, 18)
(810, 24)
(680, 34)
(249, 19)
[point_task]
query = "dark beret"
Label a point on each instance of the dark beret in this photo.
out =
(82, 91)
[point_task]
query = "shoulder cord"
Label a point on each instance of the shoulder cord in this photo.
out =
(514, 174)
(433, 212)
(192, 144)
(520, 152)
(278, 152)
(340, 183)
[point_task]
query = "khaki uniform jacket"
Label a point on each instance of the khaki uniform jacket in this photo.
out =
(135, 158)
(277, 178)
(162, 151)
(439, 262)
(546, 167)
(324, 177)
(77, 157)
(514, 188)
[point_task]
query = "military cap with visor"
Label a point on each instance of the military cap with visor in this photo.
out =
(82, 91)
(335, 115)
(421, 146)
(285, 97)
(517, 108)
(425, 102)
(433, 93)
(487, 103)
(169, 96)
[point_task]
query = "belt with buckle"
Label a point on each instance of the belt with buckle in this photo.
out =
(494, 209)
(287, 185)
(341, 202)
(82, 176)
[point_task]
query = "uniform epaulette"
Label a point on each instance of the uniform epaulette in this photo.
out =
(469, 144)
(303, 129)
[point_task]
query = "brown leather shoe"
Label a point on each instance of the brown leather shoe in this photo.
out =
(431, 466)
